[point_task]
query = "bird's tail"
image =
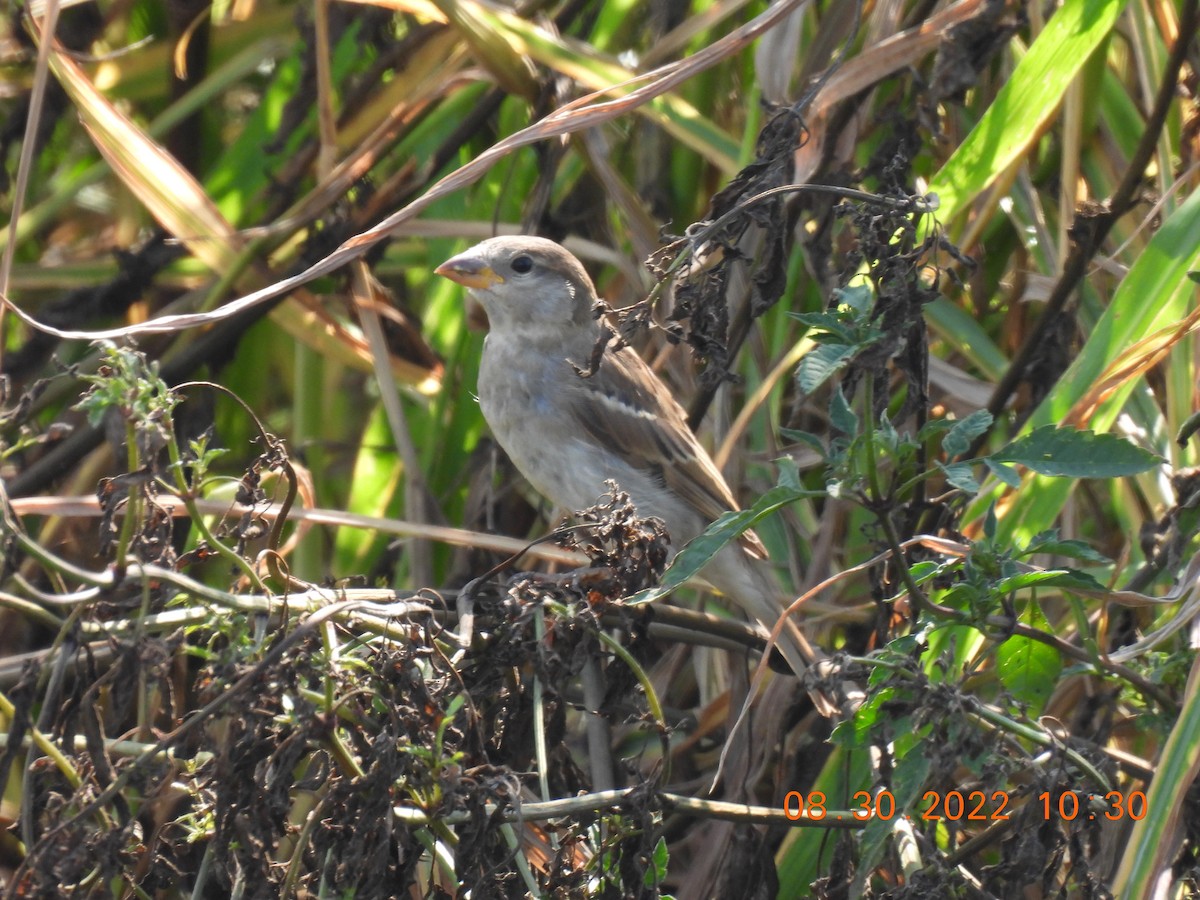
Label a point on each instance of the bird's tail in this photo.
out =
(751, 585)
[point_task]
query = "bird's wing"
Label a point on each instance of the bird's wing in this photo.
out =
(625, 407)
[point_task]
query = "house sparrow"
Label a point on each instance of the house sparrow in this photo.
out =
(568, 434)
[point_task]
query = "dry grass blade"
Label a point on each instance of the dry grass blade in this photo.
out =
(1132, 364)
(586, 112)
(861, 72)
(36, 100)
(461, 537)
(155, 177)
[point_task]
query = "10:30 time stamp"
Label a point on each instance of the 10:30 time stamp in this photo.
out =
(972, 806)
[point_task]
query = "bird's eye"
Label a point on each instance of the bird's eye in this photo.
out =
(522, 264)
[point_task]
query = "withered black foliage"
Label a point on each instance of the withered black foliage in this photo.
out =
(487, 870)
(701, 303)
(970, 47)
(1040, 853)
(271, 751)
(896, 257)
(68, 849)
(22, 697)
(773, 168)
(423, 733)
(627, 552)
(704, 302)
(102, 701)
(936, 879)
(151, 540)
(77, 853)
(836, 882)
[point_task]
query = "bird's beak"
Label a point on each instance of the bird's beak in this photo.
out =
(470, 271)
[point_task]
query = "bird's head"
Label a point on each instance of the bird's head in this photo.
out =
(527, 286)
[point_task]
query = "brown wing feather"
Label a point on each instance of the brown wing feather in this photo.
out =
(655, 435)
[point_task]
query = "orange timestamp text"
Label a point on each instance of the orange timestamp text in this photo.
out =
(969, 806)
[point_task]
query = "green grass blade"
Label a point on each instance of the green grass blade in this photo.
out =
(1154, 293)
(1026, 103)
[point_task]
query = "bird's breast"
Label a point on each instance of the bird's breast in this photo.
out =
(525, 400)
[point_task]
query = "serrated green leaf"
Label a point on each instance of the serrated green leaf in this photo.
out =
(700, 550)
(1050, 542)
(820, 363)
(805, 437)
(1070, 453)
(827, 327)
(858, 297)
(965, 431)
(656, 872)
(961, 476)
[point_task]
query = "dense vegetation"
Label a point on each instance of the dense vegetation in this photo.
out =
(271, 623)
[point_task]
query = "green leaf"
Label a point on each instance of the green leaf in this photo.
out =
(700, 550)
(828, 327)
(789, 474)
(1068, 453)
(807, 438)
(990, 524)
(961, 476)
(1007, 474)
(857, 297)
(820, 363)
(1155, 294)
(964, 431)
(841, 416)
(923, 571)
(1028, 669)
(1050, 542)
(656, 872)
(856, 732)
(1063, 578)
